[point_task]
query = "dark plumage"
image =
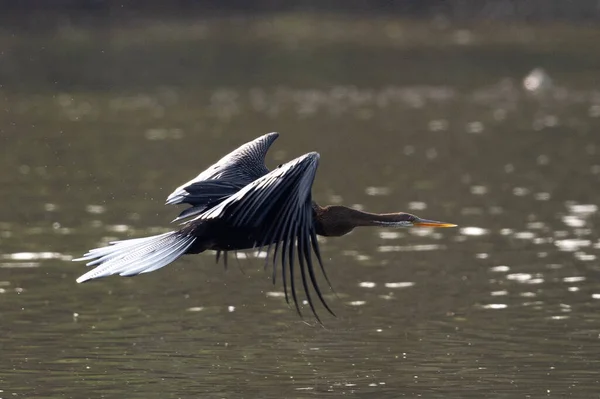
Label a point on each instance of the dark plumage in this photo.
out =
(236, 204)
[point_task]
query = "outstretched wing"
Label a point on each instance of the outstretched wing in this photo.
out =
(277, 208)
(228, 175)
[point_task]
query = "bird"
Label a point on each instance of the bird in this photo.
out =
(237, 204)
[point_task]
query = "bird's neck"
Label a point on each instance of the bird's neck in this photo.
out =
(337, 220)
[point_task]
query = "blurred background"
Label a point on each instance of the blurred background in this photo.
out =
(480, 113)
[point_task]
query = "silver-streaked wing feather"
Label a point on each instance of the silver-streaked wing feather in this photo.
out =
(278, 208)
(238, 168)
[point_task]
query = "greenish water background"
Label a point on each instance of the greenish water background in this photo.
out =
(99, 124)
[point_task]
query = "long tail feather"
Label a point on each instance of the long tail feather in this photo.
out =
(135, 256)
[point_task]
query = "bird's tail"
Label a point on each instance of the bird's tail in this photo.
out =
(135, 256)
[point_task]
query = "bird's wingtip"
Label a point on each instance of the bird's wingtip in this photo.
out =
(269, 137)
(314, 155)
(171, 199)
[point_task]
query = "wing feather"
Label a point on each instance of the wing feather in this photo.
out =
(278, 207)
(238, 168)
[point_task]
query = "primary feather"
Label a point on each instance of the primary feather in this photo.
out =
(225, 177)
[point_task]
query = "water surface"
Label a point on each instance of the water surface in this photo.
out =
(100, 124)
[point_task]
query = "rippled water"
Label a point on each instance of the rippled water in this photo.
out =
(495, 132)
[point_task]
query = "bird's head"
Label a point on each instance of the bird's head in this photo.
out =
(337, 220)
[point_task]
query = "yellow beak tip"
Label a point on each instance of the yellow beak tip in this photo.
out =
(434, 224)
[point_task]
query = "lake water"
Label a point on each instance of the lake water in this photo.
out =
(492, 128)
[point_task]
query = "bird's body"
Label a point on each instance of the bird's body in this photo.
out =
(238, 204)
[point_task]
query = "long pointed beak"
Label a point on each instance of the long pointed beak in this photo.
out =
(431, 223)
